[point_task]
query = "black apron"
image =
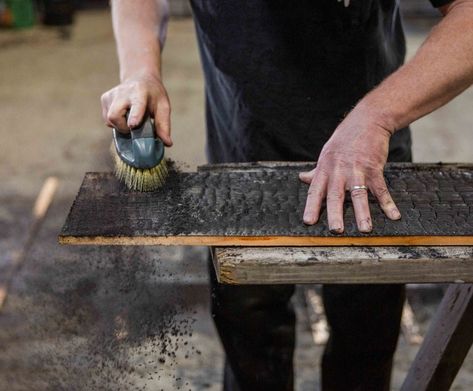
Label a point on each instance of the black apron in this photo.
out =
(280, 75)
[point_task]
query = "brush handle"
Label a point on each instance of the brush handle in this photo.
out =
(140, 148)
(144, 145)
(144, 130)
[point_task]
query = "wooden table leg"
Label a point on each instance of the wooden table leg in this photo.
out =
(446, 344)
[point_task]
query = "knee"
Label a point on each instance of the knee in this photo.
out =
(251, 304)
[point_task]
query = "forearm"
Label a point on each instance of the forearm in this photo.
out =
(137, 29)
(441, 69)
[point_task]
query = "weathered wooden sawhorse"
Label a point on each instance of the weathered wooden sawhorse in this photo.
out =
(251, 214)
(450, 335)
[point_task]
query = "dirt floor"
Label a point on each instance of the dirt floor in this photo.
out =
(128, 318)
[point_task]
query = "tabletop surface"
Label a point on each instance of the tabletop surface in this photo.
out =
(262, 205)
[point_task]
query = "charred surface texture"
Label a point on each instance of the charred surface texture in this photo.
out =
(266, 200)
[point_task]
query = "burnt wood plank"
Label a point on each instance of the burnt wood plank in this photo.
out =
(261, 204)
(446, 344)
(343, 265)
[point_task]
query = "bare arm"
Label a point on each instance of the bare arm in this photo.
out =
(441, 69)
(139, 29)
(356, 153)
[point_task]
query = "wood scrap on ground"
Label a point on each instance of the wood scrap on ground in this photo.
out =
(409, 325)
(40, 209)
(316, 315)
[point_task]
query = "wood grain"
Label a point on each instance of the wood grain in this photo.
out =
(446, 344)
(343, 265)
(261, 204)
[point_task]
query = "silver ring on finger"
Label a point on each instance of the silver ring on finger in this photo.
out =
(360, 187)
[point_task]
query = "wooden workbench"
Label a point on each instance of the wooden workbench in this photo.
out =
(251, 214)
(450, 335)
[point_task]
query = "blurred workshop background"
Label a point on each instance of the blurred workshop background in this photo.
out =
(134, 318)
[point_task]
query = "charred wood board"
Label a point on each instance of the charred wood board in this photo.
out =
(343, 265)
(262, 204)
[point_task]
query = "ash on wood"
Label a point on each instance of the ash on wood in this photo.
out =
(262, 204)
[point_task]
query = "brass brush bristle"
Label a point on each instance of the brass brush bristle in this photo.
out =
(147, 179)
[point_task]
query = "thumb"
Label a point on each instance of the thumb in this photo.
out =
(162, 120)
(307, 176)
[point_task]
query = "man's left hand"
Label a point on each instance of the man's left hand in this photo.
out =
(352, 160)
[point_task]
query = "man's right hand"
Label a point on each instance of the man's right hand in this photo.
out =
(138, 95)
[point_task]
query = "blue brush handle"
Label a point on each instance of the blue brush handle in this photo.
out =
(140, 148)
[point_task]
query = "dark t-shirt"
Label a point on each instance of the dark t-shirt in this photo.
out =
(280, 75)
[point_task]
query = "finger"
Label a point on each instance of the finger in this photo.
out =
(378, 187)
(137, 111)
(116, 115)
(359, 198)
(307, 176)
(105, 115)
(105, 103)
(315, 197)
(335, 198)
(162, 119)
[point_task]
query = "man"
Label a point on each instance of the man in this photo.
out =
(306, 80)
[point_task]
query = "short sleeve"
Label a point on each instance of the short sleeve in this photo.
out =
(439, 3)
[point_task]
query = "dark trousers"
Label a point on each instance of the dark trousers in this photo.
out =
(256, 324)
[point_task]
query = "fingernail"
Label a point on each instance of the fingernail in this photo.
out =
(303, 177)
(365, 226)
(396, 215)
(132, 123)
(336, 229)
(307, 219)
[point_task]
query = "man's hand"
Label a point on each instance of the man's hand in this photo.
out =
(139, 29)
(138, 95)
(354, 156)
(356, 153)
